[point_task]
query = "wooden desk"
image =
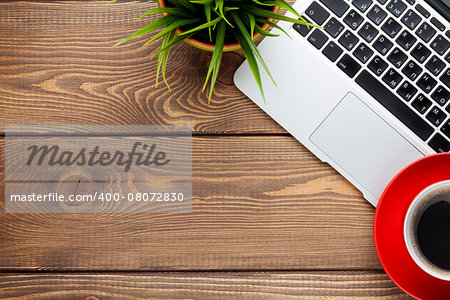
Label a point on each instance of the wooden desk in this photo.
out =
(269, 219)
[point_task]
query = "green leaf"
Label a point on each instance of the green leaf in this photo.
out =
(227, 9)
(170, 10)
(263, 3)
(286, 6)
(216, 58)
(250, 43)
(172, 42)
(203, 26)
(204, 2)
(219, 9)
(219, 6)
(251, 61)
(268, 14)
(265, 21)
(251, 19)
(208, 18)
(263, 32)
(171, 27)
(161, 22)
(163, 57)
(184, 3)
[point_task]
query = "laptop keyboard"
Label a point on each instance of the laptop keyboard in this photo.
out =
(397, 52)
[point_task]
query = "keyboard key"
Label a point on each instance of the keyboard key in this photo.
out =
(368, 32)
(348, 40)
(392, 78)
(426, 83)
(302, 29)
(421, 104)
(440, 44)
(441, 95)
(436, 116)
(353, 19)
(397, 57)
(411, 1)
(378, 65)
(363, 53)
(382, 1)
(394, 105)
(421, 53)
(406, 40)
(437, 23)
(396, 7)
(435, 65)
(376, 14)
(382, 45)
(447, 57)
(317, 13)
(445, 78)
(439, 144)
(318, 38)
(332, 51)
(422, 11)
(411, 19)
(362, 5)
(339, 7)
(406, 91)
(447, 33)
(412, 70)
(334, 27)
(391, 27)
(446, 128)
(349, 65)
(425, 32)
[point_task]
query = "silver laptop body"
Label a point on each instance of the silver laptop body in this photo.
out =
(369, 93)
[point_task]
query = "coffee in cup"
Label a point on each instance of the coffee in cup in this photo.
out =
(427, 230)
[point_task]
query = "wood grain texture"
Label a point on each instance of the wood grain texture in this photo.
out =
(223, 285)
(58, 66)
(258, 203)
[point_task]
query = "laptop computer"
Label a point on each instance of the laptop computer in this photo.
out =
(369, 93)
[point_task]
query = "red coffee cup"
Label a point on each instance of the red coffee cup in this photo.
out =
(393, 216)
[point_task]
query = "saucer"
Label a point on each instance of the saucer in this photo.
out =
(388, 227)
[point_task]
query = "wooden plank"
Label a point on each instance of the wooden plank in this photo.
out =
(259, 202)
(58, 66)
(186, 285)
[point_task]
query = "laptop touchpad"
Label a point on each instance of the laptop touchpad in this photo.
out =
(363, 145)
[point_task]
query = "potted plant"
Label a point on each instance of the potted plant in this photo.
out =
(217, 26)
